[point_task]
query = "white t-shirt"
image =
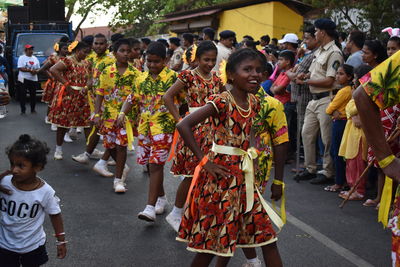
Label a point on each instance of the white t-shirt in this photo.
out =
(22, 216)
(223, 54)
(29, 63)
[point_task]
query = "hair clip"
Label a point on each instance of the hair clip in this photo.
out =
(72, 46)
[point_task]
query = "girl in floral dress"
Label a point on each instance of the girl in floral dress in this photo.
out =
(221, 215)
(70, 107)
(197, 85)
(61, 50)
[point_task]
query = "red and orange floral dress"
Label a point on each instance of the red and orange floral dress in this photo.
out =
(197, 91)
(73, 110)
(51, 84)
(215, 221)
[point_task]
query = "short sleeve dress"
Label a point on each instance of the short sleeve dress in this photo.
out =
(73, 110)
(218, 223)
(197, 91)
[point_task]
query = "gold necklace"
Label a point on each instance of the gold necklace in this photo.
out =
(205, 79)
(240, 109)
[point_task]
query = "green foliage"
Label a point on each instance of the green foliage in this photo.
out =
(137, 17)
(372, 14)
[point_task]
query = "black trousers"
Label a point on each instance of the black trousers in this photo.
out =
(23, 88)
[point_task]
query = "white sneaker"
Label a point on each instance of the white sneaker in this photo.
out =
(102, 170)
(46, 120)
(111, 162)
(96, 154)
(53, 127)
(161, 204)
(67, 139)
(119, 187)
(323, 172)
(79, 130)
(252, 264)
(73, 134)
(174, 221)
(58, 155)
(81, 158)
(148, 214)
(125, 172)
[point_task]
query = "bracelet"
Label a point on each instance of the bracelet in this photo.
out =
(59, 243)
(386, 161)
(278, 182)
(59, 234)
(96, 115)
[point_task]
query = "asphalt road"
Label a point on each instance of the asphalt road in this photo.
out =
(103, 229)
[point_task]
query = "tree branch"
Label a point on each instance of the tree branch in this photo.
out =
(84, 17)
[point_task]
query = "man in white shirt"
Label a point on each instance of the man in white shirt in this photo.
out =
(28, 65)
(227, 39)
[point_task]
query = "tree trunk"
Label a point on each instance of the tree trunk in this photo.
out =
(71, 8)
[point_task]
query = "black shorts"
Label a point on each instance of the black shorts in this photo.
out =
(36, 257)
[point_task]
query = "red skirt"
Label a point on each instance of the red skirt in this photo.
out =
(48, 91)
(72, 112)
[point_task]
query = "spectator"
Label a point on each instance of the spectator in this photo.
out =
(164, 42)
(373, 53)
(290, 42)
(393, 45)
(337, 109)
(227, 39)
(264, 40)
(300, 93)
(208, 34)
(28, 66)
(321, 82)
(188, 40)
(354, 45)
(176, 61)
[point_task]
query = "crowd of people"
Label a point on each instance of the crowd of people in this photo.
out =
(224, 112)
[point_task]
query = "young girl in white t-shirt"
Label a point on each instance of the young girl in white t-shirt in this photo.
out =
(24, 200)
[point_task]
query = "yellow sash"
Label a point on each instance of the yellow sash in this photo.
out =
(248, 169)
(386, 199)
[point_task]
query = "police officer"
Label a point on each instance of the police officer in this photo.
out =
(176, 62)
(320, 79)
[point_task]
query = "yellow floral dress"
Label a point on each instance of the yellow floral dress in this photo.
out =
(382, 84)
(115, 88)
(156, 124)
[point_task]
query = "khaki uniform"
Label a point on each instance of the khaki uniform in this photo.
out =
(176, 58)
(325, 64)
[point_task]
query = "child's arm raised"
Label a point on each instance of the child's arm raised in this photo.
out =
(57, 222)
(185, 130)
(169, 96)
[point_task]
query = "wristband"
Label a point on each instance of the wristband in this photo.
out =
(386, 161)
(96, 115)
(59, 234)
(278, 182)
(59, 243)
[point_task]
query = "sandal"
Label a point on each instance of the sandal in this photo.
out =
(356, 196)
(333, 188)
(370, 203)
(343, 194)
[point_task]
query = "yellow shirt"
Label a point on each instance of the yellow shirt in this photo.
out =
(340, 101)
(115, 88)
(148, 92)
(382, 83)
(352, 136)
(270, 129)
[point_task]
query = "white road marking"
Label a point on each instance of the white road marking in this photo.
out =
(329, 243)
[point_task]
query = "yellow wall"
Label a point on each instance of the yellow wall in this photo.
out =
(272, 18)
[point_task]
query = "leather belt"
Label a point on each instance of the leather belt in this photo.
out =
(324, 94)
